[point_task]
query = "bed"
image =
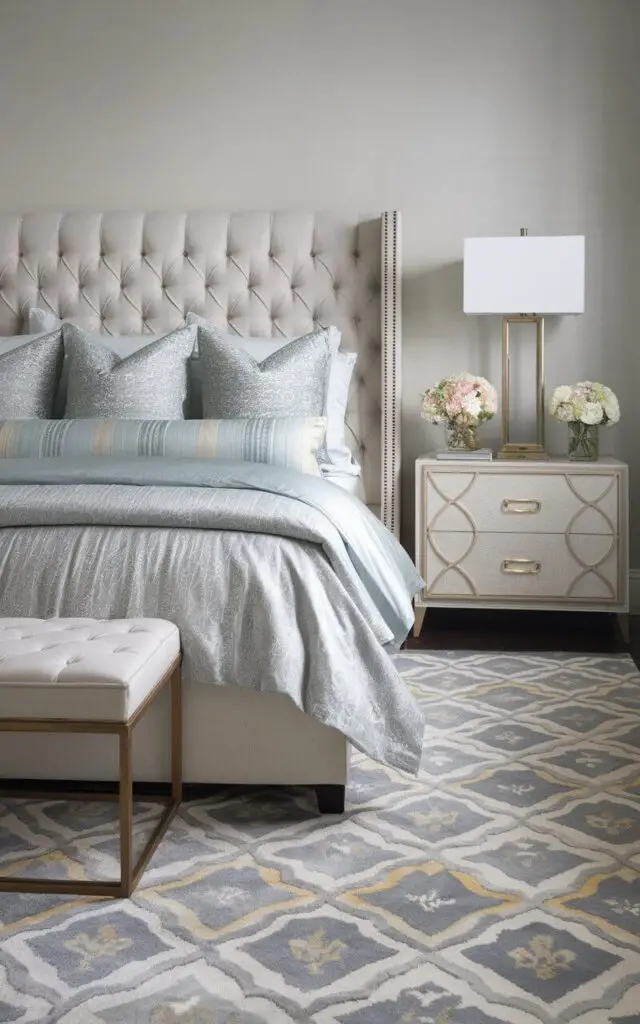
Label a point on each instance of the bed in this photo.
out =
(278, 273)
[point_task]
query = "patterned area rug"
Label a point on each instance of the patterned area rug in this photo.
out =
(503, 885)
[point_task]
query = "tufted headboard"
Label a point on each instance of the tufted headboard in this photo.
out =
(276, 273)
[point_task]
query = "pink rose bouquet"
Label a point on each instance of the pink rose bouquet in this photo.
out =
(462, 402)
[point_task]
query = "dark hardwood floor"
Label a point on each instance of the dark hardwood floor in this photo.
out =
(461, 629)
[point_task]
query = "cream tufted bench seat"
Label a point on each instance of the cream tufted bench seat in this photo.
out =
(92, 676)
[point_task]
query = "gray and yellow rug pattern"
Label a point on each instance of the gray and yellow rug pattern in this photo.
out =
(502, 885)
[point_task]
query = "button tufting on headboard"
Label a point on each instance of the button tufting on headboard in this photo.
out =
(273, 273)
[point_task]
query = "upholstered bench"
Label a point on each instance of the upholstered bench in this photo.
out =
(92, 676)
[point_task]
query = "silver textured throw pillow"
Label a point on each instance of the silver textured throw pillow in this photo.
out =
(29, 372)
(291, 382)
(148, 384)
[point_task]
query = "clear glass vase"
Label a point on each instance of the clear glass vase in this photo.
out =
(583, 442)
(462, 437)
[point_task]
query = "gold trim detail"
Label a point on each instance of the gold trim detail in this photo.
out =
(510, 506)
(130, 870)
(430, 530)
(530, 449)
(520, 567)
(587, 568)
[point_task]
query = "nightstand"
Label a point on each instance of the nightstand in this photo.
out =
(541, 535)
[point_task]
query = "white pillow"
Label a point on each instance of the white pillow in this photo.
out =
(42, 320)
(335, 450)
(350, 482)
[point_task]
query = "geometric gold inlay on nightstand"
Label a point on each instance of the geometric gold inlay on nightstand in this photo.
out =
(590, 569)
(447, 564)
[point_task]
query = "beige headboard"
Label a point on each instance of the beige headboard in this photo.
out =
(253, 273)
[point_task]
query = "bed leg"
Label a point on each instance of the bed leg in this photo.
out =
(330, 799)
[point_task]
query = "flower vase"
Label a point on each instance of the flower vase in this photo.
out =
(462, 437)
(583, 442)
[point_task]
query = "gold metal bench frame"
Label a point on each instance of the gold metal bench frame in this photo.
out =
(130, 871)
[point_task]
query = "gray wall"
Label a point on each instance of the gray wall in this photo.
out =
(471, 116)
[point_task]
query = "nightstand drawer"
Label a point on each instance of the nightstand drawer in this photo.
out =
(495, 566)
(517, 501)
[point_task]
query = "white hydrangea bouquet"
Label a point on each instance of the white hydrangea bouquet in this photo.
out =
(462, 403)
(585, 407)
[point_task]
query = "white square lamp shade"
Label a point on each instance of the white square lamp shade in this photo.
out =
(538, 275)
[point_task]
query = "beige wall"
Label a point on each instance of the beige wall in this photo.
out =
(471, 116)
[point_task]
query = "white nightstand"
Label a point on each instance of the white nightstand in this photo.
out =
(540, 535)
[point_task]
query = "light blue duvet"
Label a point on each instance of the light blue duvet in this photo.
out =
(277, 580)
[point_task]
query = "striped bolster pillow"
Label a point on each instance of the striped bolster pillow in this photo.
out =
(282, 441)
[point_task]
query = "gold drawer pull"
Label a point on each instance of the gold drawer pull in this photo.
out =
(522, 506)
(521, 567)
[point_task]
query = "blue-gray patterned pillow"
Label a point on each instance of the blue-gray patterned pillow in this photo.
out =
(335, 452)
(149, 384)
(291, 382)
(29, 372)
(285, 441)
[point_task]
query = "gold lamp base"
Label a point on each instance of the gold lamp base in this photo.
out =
(534, 450)
(523, 451)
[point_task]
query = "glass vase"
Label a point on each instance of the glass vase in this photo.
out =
(583, 442)
(462, 437)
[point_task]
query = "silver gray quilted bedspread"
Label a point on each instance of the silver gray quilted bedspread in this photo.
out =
(277, 581)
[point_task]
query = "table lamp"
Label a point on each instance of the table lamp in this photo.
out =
(523, 278)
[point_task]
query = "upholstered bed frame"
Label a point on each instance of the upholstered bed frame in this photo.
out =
(255, 274)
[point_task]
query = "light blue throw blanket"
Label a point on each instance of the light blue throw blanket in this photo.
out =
(290, 573)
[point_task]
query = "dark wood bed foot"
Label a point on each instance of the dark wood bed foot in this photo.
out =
(330, 799)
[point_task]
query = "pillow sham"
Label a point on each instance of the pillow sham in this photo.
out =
(335, 450)
(29, 372)
(151, 383)
(351, 483)
(42, 320)
(291, 382)
(123, 345)
(259, 345)
(287, 441)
